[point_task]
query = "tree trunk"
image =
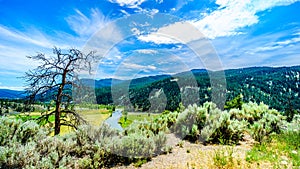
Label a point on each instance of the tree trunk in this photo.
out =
(58, 103)
(57, 118)
(57, 110)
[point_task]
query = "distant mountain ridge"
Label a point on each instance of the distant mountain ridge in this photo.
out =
(11, 94)
(278, 87)
(100, 83)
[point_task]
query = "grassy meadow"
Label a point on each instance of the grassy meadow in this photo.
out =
(94, 117)
(129, 118)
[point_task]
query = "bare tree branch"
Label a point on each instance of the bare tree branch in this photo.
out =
(55, 75)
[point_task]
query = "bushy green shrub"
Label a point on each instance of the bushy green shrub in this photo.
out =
(221, 129)
(237, 103)
(167, 119)
(264, 121)
(253, 112)
(151, 135)
(209, 124)
(12, 131)
(294, 125)
(26, 145)
(192, 120)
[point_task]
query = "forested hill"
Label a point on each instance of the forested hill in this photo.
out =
(277, 87)
(11, 94)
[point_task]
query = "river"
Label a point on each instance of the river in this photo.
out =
(113, 121)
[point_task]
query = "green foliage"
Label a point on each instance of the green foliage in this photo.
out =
(6, 111)
(273, 86)
(26, 145)
(12, 130)
(125, 122)
(191, 121)
(210, 124)
(264, 121)
(223, 158)
(221, 129)
(294, 125)
(290, 113)
(237, 103)
(140, 162)
(282, 145)
(167, 118)
(128, 119)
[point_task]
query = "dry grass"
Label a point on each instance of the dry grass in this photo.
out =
(92, 116)
(96, 116)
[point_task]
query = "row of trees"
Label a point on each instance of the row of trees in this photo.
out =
(14, 105)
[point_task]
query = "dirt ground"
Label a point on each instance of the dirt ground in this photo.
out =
(198, 156)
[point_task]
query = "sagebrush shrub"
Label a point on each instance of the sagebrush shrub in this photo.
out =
(209, 124)
(26, 145)
(294, 125)
(221, 129)
(266, 121)
(190, 122)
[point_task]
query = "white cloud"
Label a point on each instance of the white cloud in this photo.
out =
(131, 66)
(17, 45)
(277, 44)
(233, 15)
(33, 36)
(178, 32)
(289, 41)
(18, 88)
(261, 50)
(113, 57)
(15, 60)
(265, 48)
(86, 26)
(147, 11)
(147, 51)
(128, 3)
(157, 38)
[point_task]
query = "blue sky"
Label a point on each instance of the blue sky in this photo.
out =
(148, 37)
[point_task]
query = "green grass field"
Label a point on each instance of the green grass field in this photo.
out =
(92, 116)
(131, 117)
(284, 148)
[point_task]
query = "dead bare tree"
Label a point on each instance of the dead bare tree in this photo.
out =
(57, 75)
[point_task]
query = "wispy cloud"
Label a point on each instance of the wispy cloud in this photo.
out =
(157, 38)
(16, 44)
(233, 15)
(278, 44)
(18, 88)
(147, 51)
(175, 33)
(128, 3)
(87, 25)
(263, 50)
(131, 66)
(32, 36)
